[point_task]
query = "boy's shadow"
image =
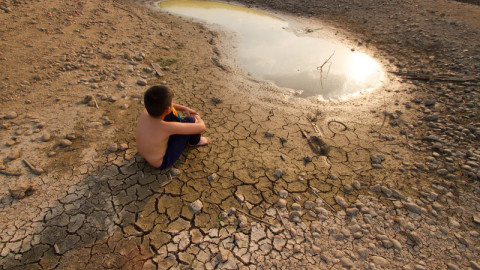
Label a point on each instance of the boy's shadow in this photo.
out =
(108, 200)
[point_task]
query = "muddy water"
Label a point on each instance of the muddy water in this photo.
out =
(269, 49)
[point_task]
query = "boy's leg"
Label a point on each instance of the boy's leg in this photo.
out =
(178, 143)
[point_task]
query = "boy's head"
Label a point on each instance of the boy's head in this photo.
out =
(157, 99)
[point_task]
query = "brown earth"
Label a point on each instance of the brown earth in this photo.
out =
(95, 205)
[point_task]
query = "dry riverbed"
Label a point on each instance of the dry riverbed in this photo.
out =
(385, 180)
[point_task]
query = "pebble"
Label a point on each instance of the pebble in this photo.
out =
(346, 262)
(11, 115)
(283, 193)
(212, 177)
(65, 142)
(142, 82)
(386, 191)
(113, 148)
(296, 207)
(175, 172)
(122, 146)
(453, 223)
(242, 222)
(309, 205)
(46, 137)
(341, 201)
(278, 173)
(21, 191)
(347, 188)
(71, 136)
(281, 203)
(216, 100)
(13, 155)
(412, 207)
(356, 185)
(269, 134)
(196, 206)
(379, 260)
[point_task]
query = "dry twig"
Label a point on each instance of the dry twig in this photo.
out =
(316, 194)
(256, 218)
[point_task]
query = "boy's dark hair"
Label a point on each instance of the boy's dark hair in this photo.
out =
(157, 99)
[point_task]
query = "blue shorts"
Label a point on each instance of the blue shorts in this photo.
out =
(178, 143)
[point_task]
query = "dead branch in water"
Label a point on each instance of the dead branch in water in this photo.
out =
(321, 68)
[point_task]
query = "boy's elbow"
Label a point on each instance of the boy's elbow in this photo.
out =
(203, 128)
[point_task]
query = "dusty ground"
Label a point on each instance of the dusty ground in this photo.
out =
(407, 160)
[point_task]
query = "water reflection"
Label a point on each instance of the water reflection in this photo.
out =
(269, 50)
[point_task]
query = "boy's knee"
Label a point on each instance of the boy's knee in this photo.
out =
(189, 119)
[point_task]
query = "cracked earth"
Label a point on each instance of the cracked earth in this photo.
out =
(388, 179)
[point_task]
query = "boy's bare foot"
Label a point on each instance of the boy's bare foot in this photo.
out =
(204, 141)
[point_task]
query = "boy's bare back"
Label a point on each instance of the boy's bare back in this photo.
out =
(152, 138)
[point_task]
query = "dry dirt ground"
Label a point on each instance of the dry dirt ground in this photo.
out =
(388, 179)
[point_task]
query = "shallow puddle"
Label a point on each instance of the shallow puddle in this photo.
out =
(268, 49)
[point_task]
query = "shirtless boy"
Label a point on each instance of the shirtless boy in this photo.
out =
(161, 134)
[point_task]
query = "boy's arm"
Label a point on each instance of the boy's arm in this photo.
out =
(186, 128)
(184, 109)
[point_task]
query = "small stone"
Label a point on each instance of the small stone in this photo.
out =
(309, 205)
(308, 159)
(122, 146)
(333, 176)
(268, 134)
(295, 216)
(346, 262)
(347, 188)
(296, 207)
(21, 191)
(341, 201)
(278, 173)
(51, 154)
(356, 185)
(113, 148)
(396, 244)
(175, 172)
(283, 140)
(196, 206)
(379, 260)
(412, 207)
(212, 177)
(452, 266)
(352, 211)
(283, 193)
(242, 222)
(46, 137)
(71, 136)
(453, 223)
(65, 142)
(386, 191)
(240, 198)
(142, 82)
(282, 203)
(474, 265)
(11, 115)
(86, 99)
(363, 252)
(476, 218)
(216, 100)
(13, 155)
